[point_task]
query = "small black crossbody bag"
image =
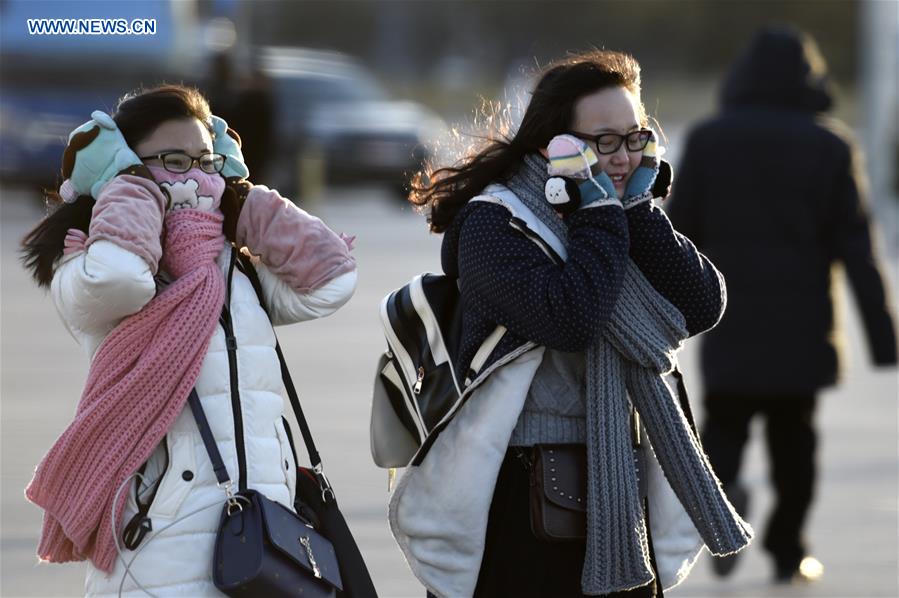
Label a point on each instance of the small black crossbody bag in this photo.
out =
(263, 548)
(558, 493)
(558, 480)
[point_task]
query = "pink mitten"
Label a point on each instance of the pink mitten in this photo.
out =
(293, 244)
(129, 213)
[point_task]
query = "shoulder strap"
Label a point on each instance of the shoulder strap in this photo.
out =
(218, 464)
(246, 266)
(684, 399)
(502, 195)
(212, 449)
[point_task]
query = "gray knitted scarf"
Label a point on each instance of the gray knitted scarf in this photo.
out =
(636, 348)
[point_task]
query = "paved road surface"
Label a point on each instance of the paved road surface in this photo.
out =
(854, 522)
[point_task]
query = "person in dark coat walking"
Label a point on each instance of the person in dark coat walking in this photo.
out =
(772, 192)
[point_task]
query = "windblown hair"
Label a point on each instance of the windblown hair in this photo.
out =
(137, 115)
(442, 192)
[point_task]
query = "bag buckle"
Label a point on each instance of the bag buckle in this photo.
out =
(323, 483)
(233, 501)
(136, 529)
(526, 459)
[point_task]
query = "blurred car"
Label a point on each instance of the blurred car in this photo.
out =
(333, 120)
(333, 115)
(39, 107)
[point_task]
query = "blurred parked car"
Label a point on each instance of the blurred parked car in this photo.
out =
(40, 105)
(334, 119)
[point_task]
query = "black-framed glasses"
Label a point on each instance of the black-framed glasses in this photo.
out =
(609, 143)
(179, 162)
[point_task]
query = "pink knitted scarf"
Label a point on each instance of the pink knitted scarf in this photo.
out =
(137, 385)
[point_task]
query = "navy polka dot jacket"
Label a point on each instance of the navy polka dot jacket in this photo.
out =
(505, 278)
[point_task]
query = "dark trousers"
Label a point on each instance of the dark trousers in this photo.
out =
(791, 440)
(516, 564)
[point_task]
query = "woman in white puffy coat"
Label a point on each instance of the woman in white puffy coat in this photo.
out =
(99, 277)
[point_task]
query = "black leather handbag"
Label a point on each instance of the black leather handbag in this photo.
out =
(287, 554)
(558, 496)
(263, 548)
(558, 500)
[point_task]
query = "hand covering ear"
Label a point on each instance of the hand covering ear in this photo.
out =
(577, 181)
(640, 185)
(235, 172)
(96, 152)
(662, 186)
(227, 142)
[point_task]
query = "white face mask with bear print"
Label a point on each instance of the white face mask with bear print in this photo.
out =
(193, 189)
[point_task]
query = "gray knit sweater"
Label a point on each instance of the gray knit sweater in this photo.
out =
(555, 410)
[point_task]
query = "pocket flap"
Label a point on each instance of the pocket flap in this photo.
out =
(564, 470)
(300, 542)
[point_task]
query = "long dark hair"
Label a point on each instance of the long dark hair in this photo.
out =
(137, 115)
(443, 191)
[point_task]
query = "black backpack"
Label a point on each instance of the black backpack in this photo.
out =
(416, 386)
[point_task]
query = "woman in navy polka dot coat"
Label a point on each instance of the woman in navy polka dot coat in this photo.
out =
(464, 528)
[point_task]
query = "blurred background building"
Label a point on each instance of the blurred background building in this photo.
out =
(379, 78)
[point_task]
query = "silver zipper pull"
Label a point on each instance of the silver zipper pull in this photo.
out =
(421, 377)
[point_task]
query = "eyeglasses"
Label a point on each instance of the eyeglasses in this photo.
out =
(609, 143)
(179, 162)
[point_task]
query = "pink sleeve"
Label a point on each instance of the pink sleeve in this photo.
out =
(129, 212)
(294, 245)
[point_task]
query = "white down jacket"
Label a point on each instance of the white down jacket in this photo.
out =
(93, 291)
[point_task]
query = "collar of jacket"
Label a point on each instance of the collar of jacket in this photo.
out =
(525, 221)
